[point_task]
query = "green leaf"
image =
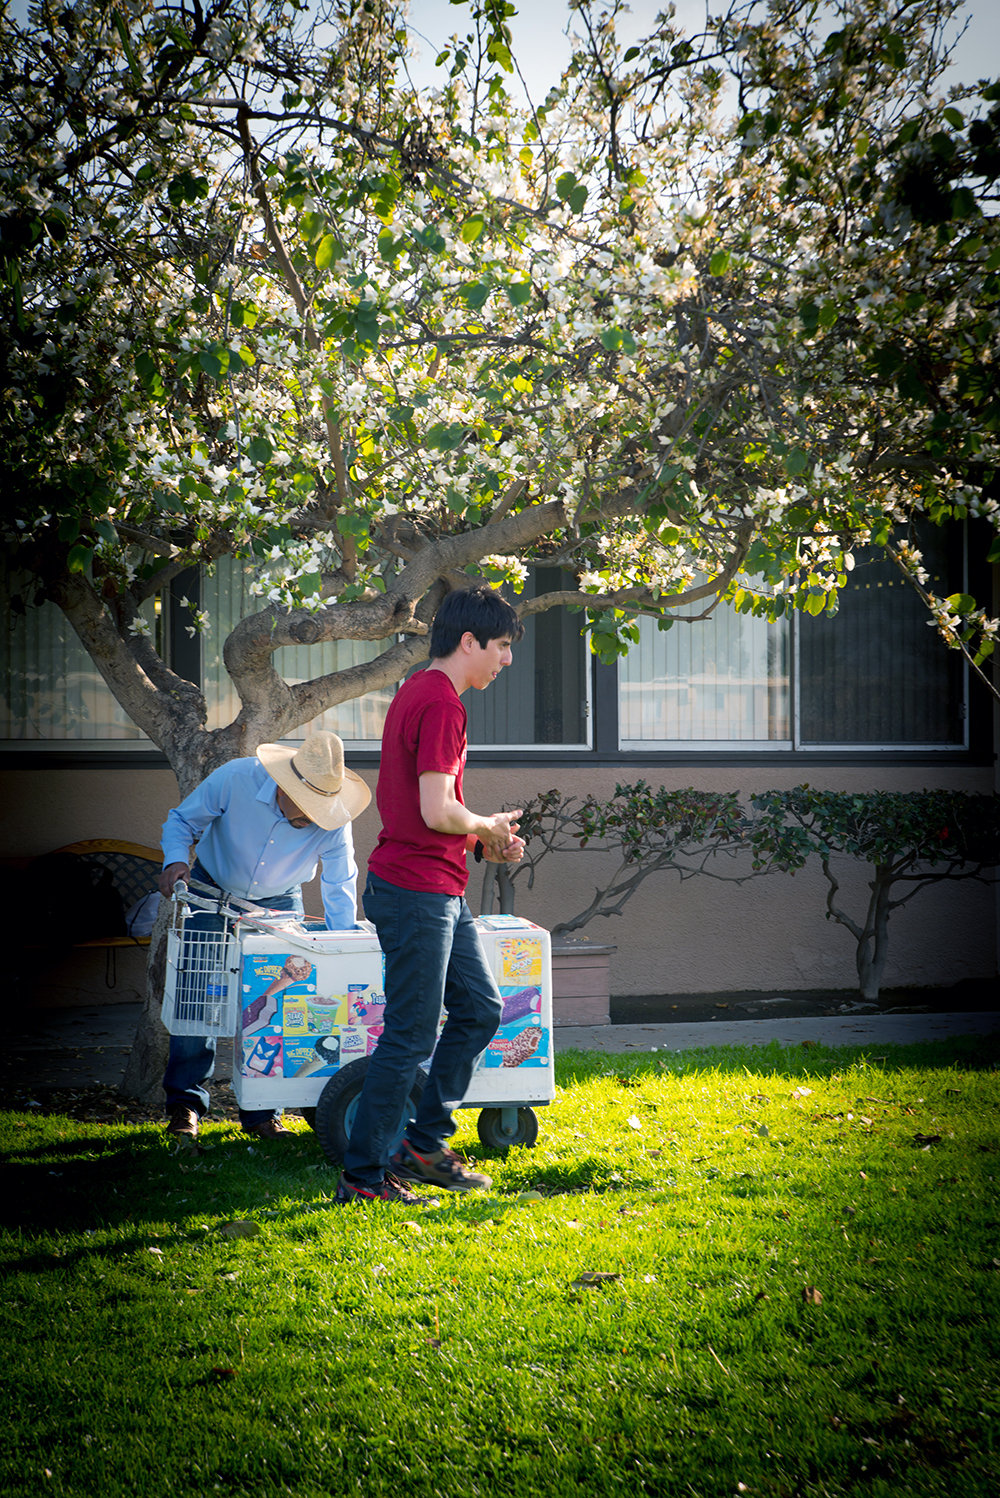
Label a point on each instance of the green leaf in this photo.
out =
(612, 339)
(797, 462)
(961, 603)
(259, 450)
(475, 295)
(123, 37)
(993, 555)
(445, 437)
(214, 361)
(519, 292)
(312, 225)
(80, 558)
(430, 238)
(328, 250)
(719, 263)
(472, 228)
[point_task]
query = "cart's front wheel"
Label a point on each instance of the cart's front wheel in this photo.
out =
(338, 1104)
(499, 1127)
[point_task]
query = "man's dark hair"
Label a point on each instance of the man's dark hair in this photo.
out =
(479, 610)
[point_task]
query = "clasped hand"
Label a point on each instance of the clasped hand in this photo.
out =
(501, 843)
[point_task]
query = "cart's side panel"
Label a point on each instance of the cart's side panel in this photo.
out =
(304, 1013)
(517, 1065)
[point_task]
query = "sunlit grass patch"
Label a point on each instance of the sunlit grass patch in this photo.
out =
(769, 1267)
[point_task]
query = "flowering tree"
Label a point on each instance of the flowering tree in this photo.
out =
(261, 298)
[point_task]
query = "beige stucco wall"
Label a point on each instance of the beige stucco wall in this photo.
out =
(699, 936)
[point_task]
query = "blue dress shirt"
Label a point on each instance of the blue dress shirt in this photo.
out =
(252, 850)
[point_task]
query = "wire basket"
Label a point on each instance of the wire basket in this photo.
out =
(201, 988)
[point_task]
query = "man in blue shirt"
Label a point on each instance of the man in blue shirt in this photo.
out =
(262, 826)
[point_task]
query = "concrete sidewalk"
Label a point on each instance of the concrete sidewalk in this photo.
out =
(84, 1047)
(847, 1029)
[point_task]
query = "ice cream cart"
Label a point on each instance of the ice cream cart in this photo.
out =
(305, 1008)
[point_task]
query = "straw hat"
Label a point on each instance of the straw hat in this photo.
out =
(315, 777)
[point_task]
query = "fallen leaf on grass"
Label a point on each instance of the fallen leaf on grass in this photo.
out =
(635, 1123)
(222, 1375)
(530, 1196)
(239, 1227)
(591, 1277)
(812, 1296)
(924, 1141)
(802, 1092)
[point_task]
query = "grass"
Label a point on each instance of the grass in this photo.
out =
(763, 1271)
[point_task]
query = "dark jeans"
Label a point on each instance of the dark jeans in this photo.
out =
(191, 1058)
(433, 958)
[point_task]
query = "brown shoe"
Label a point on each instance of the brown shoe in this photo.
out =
(270, 1128)
(183, 1121)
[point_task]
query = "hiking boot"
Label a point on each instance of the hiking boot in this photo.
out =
(268, 1128)
(437, 1168)
(388, 1190)
(183, 1121)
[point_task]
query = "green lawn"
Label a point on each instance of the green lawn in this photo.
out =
(765, 1271)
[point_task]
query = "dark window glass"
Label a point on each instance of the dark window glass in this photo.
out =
(541, 698)
(877, 673)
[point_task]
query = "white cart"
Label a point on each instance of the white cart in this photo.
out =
(305, 1008)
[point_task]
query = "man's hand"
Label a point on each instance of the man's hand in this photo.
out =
(170, 876)
(512, 853)
(498, 834)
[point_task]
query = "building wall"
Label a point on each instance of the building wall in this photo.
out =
(701, 935)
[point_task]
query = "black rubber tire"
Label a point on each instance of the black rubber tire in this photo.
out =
(494, 1136)
(337, 1104)
(309, 1114)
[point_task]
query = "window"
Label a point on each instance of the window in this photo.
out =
(542, 698)
(55, 695)
(874, 676)
(53, 692)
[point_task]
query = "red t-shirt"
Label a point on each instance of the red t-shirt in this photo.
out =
(425, 730)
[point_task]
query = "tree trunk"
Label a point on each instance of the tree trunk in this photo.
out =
(873, 946)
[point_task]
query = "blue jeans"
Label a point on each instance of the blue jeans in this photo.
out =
(191, 1058)
(433, 958)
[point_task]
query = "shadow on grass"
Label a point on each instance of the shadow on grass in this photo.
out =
(90, 1180)
(808, 1058)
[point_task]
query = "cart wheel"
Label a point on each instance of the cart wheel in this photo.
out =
(499, 1127)
(338, 1104)
(309, 1114)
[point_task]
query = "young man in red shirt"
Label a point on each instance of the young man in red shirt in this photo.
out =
(415, 896)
